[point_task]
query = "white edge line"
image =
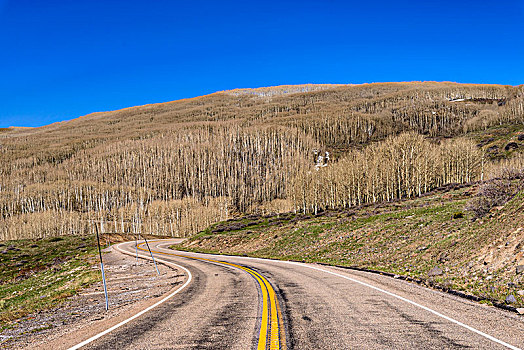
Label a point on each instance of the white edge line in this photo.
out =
(474, 330)
(413, 303)
(109, 330)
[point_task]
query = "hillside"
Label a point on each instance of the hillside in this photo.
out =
(175, 168)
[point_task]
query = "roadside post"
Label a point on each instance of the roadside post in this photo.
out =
(136, 249)
(102, 266)
(150, 252)
(136, 241)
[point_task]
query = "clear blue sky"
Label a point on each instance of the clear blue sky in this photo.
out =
(63, 59)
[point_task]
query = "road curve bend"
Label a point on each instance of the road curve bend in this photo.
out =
(249, 303)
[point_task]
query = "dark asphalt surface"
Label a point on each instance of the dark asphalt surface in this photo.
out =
(220, 308)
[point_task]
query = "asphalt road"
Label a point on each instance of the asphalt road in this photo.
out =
(228, 303)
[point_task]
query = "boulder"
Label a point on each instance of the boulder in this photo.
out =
(519, 269)
(485, 141)
(436, 271)
(511, 145)
(443, 257)
(510, 299)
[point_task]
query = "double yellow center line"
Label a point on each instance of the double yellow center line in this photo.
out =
(271, 327)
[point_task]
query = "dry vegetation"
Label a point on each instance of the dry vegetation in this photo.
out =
(174, 168)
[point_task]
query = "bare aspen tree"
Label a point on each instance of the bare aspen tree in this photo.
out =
(190, 163)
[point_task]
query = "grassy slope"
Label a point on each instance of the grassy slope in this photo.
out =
(494, 140)
(407, 238)
(37, 274)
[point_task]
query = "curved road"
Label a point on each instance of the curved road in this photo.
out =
(248, 303)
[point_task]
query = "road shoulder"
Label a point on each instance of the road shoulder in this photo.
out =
(132, 287)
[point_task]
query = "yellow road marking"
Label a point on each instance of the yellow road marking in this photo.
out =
(274, 337)
(267, 293)
(282, 329)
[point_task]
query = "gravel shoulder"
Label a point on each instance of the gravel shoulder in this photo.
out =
(132, 287)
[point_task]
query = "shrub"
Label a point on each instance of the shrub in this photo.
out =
(458, 215)
(491, 194)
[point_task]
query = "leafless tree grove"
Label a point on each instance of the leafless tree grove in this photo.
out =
(173, 169)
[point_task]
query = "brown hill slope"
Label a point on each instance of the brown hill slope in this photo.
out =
(160, 167)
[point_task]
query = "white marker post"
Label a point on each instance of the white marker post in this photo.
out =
(102, 266)
(136, 250)
(152, 257)
(136, 241)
